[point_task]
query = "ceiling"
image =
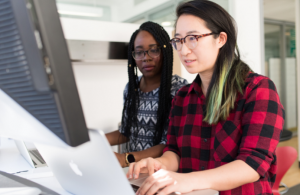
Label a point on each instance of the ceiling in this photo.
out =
(283, 10)
(94, 2)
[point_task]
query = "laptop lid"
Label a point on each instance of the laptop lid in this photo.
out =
(90, 168)
(30, 154)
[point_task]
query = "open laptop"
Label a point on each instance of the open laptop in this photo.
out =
(30, 154)
(92, 168)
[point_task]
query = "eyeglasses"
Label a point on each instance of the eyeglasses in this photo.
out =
(190, 41)
(152, 52)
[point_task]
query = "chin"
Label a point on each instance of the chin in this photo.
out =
(148, 74)
(191, 70)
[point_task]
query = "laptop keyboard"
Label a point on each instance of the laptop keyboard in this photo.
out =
(135, 188)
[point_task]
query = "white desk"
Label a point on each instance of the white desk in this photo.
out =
(11, 161)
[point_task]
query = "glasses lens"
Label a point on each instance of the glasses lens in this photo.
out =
(138, 55)
(154, 52)
(191, 42)
(176, 44)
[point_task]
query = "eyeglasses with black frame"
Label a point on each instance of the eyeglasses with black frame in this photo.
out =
(191, 41)
(153, 52)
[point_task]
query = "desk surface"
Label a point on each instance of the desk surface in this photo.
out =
(12, 162)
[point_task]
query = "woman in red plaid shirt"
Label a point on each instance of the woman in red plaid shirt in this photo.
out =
(225, 126)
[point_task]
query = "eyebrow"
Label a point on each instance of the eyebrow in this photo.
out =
(190, 32)
(141, 47)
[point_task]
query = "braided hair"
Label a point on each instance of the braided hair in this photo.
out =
(129, 118)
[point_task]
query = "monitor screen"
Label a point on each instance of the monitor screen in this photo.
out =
(36, 71)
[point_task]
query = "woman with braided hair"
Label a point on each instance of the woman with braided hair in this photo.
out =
(147, 98)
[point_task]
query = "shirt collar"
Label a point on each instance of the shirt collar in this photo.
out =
(196, 86)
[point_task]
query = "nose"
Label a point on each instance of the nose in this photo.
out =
(146, 56)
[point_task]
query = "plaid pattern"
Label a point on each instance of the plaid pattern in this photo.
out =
(250, 133)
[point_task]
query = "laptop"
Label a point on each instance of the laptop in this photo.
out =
(30, 154)
(92, 168)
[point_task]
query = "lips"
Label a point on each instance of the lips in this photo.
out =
(148, 67)
(188, 62)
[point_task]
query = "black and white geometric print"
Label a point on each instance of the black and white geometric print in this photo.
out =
(147, 115)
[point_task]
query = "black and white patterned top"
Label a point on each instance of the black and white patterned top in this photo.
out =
(147, 115)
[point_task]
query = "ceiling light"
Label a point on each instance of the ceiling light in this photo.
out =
(78, 13)
(166, 23)
(79, 10)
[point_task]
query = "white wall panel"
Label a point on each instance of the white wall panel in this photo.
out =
(291, 104)
(250, 19)
(297, 11)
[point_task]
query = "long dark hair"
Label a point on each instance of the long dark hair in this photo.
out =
(129, 118)
(230, 71)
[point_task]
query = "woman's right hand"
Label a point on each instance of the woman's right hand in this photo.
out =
(147, 165)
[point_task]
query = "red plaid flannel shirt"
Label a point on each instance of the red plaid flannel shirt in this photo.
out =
(250, 133)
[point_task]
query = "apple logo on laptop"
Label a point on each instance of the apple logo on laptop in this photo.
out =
(75, 168)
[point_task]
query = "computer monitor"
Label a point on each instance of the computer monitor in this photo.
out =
(39, 101)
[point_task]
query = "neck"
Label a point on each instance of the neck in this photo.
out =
(205, 81)
(148, 84)
(151, 81)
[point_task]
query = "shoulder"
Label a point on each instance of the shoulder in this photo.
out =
(261, 89)
(177, 82)
(254, 81)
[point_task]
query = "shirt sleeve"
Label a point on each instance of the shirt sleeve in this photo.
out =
(262, 123)
(171, 135)
(177, 83)
(125, 92)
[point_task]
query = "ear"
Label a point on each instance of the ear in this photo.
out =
(222, 39)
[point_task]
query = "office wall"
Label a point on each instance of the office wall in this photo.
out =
(249, 17)
(101, 93)
(81, 29)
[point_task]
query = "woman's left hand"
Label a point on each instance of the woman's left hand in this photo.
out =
(168, 182)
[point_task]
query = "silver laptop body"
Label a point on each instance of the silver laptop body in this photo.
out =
(90, 168)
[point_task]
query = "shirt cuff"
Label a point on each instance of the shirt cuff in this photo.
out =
(260, 165)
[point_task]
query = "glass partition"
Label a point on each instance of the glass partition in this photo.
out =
(280, 64)
(272, 54)
(290, 78)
